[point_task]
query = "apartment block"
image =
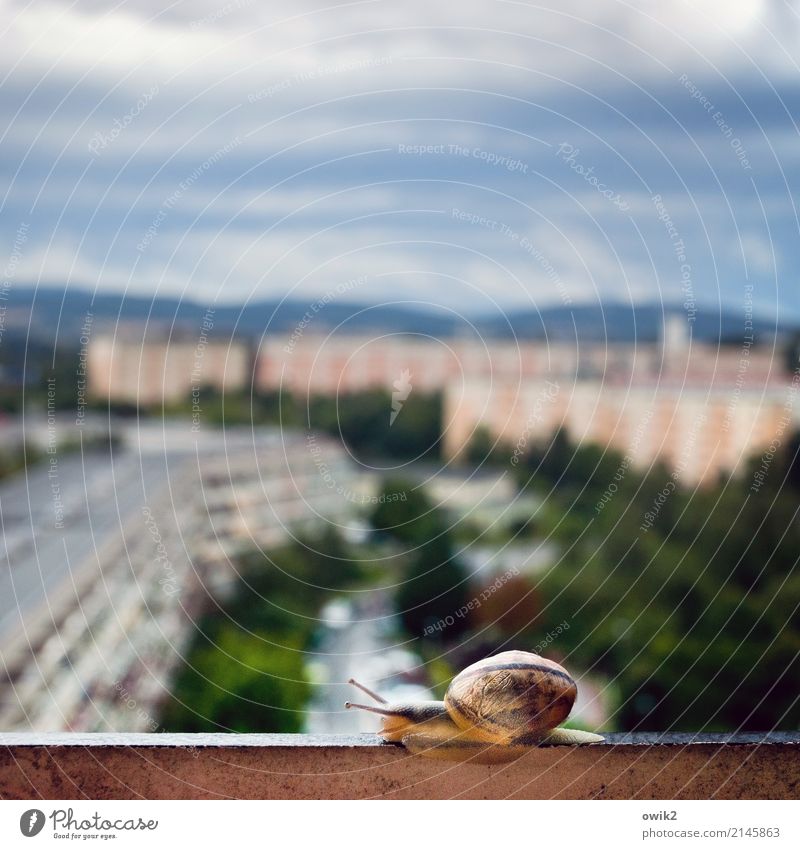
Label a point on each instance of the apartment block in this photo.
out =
(124, 368)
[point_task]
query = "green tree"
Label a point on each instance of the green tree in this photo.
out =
(695, 618)
(434, 586)
(245, 670)
(240, 682)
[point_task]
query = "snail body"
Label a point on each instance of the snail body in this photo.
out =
(493, 711)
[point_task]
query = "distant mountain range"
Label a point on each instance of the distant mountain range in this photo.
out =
(50, 310)
(621, 322)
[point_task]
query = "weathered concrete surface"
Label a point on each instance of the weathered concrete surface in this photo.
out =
(272, 766)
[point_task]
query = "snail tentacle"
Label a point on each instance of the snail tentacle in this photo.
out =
(366, 690)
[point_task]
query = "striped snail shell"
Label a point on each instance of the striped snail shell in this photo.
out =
(511, 697)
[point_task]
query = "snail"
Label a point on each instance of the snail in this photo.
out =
(493, 711)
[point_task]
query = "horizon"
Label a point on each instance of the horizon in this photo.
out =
(707, 308)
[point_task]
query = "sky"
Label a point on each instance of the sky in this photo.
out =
(479, 156)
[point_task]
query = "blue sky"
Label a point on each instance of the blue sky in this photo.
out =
(226, 151)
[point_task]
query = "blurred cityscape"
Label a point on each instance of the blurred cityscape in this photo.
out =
(215, 531)
(708, 406)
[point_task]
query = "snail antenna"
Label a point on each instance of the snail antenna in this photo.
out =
(371, 709)
(369, 692)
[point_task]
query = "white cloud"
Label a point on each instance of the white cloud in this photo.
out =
(266, 41)
(295, 85)
(759, 254)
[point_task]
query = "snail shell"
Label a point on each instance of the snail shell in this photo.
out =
(513, 696)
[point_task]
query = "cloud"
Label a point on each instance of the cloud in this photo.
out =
(215, 48)
(318, 98)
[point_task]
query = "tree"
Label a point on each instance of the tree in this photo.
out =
(434, 587)
(433, 597)
(246, 668)
(240, 683)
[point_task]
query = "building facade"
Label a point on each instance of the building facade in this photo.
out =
(97, 610)
(125, 369)
(704, 407)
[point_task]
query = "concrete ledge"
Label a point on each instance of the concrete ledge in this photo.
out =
(289, 766)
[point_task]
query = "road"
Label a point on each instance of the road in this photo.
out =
(358, 642)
